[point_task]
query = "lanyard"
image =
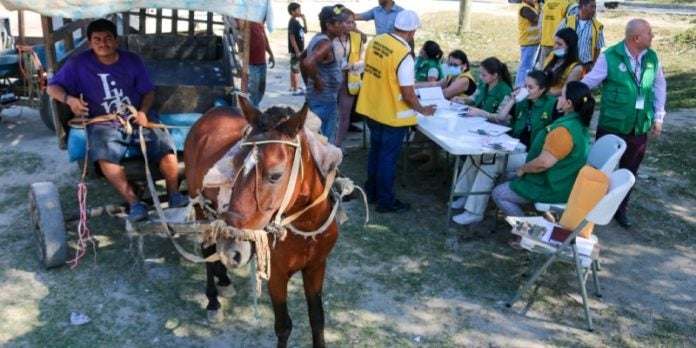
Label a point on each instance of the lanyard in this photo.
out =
(637, 73)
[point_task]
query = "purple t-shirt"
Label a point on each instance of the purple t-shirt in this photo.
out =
(105, 87)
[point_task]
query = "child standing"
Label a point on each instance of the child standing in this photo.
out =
(296, 33)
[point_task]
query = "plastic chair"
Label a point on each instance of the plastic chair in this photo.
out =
(604, 155)
(620, 182)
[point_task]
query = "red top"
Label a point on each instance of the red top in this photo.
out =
(257, 43)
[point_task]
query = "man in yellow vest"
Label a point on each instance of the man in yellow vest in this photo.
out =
(389, 102)
(634, 92)
(590, 32)
(552, 14)
(529, 37)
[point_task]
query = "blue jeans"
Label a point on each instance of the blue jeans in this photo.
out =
(385, 146)
(257, 83)
(328, 114)
(526, 63)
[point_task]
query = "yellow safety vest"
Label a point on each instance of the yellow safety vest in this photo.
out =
(553, 11)
(380, 97)
(463, 74)
(597, 26)
(528, 32)
(354, 79)
(566, 73)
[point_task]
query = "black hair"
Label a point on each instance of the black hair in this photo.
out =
(582, 3)
(581, 97)
(493, 66)
(459, 54)
(432, 50)
(292, 7)
(570, 37)
(101, 25)
(542, 80)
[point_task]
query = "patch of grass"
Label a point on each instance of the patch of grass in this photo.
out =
(493, 35)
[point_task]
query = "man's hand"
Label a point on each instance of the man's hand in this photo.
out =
(427, 110)
(77, 106)
(271, 60)
(140, 119)
(656, 129)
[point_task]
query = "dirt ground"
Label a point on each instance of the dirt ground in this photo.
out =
(648, 287)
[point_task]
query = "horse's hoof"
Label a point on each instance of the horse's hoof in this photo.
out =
(215, 316)
(226, 291)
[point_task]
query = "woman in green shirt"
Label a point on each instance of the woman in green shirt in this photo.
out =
(555, 156)
(493, 87)
(526, 118)
(428, 63)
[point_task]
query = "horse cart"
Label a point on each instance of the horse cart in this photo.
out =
(192, 57)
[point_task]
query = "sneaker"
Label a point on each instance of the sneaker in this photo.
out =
(397, 207)
(177, 200)
(459, 203)
(298, 92)
(138, 211)
(466, 218)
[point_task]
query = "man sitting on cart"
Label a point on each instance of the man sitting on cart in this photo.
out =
(98, 82)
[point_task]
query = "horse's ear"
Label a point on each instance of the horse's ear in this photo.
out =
(293, 125)
(248, 109)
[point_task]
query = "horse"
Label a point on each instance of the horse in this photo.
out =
(270, 148)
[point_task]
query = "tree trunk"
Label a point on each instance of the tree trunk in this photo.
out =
(464, 16)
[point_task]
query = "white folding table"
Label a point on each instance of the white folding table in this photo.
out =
(457, 136)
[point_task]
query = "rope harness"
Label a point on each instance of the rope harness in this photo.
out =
(218, 228)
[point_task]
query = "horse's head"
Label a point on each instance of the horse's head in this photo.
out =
(264, 165)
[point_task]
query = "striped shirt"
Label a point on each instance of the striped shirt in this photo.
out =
(584, 30)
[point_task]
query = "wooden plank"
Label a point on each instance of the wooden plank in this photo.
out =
(143, 17)
(66, 30)
(69, 41)
(191, 24)
(175, 21)
(126, 23)
(158, 23)
(47, 28)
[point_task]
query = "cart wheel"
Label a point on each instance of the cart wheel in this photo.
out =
(47, 224)
(45, 111)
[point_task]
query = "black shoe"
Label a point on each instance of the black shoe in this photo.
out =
(623, 220)
(397, 207)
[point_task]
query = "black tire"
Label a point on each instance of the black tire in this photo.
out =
(45, 111)
(47, 224)
(611, 5)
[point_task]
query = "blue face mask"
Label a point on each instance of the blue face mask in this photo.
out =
(451, 70)
(560, 53)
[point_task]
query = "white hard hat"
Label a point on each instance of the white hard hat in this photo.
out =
(407, 20)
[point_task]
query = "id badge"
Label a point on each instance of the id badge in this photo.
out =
(640, 102)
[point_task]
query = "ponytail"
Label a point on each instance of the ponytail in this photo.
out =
(583, 102)
(494, 66)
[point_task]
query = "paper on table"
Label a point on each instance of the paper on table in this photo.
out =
(428, 93)
(491, 129)
(502, 142)
(434, 96)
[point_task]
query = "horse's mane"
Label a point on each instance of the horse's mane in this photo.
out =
(272, 116)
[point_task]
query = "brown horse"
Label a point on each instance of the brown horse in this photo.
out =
(265, 164)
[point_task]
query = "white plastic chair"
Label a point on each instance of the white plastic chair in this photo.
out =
(620, 182)
(604, 155)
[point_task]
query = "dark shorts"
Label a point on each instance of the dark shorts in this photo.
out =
(109, 143)
(294, 63)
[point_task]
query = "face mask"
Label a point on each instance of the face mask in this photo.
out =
(451, 70)
(560, 53)
(454, 70)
